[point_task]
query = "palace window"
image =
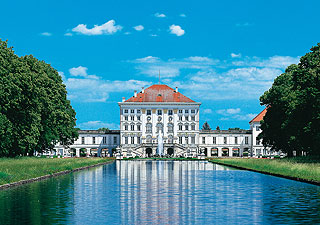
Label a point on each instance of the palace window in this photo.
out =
(93, 140)
(82, 140)
(257, 128)
(246, 140)
(235, 140)
(180, 110)
(214, 140)
(132, 127)
(203, 140)
(224, 140)
(104, 140)
(193, 127)
(132, 118)
(159, 127)
(186, 118)
(186, 127)
(186, 140)
(170, 139)
(132, 110)
(149, 139)
(180, 127)
(170, 128)
(180, 118)
(148, 112)
(159, 112)
(126, 140)
(170, 113)
(114, 140)
(193, 118)
(149, 128)
(138, 117)
(126, 111)
(138, 140)
(258, 141)
(138, 111)
(193, 140)
(126, 118)
(125, 127)
(138, 127)
(132, 140)
(180, 140)
(193, 111)
(186, 111)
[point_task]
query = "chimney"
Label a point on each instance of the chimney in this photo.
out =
(142, 90)
(177, 89)
(135, 93)
(123, 99)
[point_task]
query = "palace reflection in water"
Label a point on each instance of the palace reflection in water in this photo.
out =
(170, 192)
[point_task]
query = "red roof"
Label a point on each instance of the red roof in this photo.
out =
(159, 93)
(259, 117)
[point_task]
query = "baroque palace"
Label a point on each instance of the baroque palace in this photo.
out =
(161, 118)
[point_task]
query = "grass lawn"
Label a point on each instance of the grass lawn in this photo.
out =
(302, 168)
(16, 169)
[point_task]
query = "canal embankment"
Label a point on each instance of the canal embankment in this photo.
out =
(17, 171)
(300, 169)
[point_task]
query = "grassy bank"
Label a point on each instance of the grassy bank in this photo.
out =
(13, 170)
(300, 168)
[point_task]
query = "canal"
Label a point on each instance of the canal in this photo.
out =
(162, 192)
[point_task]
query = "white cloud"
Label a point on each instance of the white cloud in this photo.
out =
(234, 55)
(93, 125)
(213, 79)
(138, 28)
(148, 59)
(254, 73)
(230, 111)
(78, 71)
(280, 62)
(46, 34)
(151, 65)
(182, 15)
(106, 28)
(177, 30)
(91, 88)
(160, 15)
(68, 34)
(207, 111)
(153, 35)
(82, 72)
(199, 59)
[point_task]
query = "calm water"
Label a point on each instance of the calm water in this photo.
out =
(162, 192)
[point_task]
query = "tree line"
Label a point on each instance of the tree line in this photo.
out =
(292, 121)
(35, 113)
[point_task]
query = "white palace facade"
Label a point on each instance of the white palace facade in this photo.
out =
(162, 111)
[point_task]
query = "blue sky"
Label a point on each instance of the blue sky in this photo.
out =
(224, 54)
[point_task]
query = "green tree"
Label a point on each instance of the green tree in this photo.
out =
(104, 129)
(206, 126)
(293, 116)
(34, 111)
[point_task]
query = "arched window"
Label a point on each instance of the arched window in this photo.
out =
(159, 127)
(149, 139)
(180, 126)
(148, 128)
(170, 139)
(170, 127)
